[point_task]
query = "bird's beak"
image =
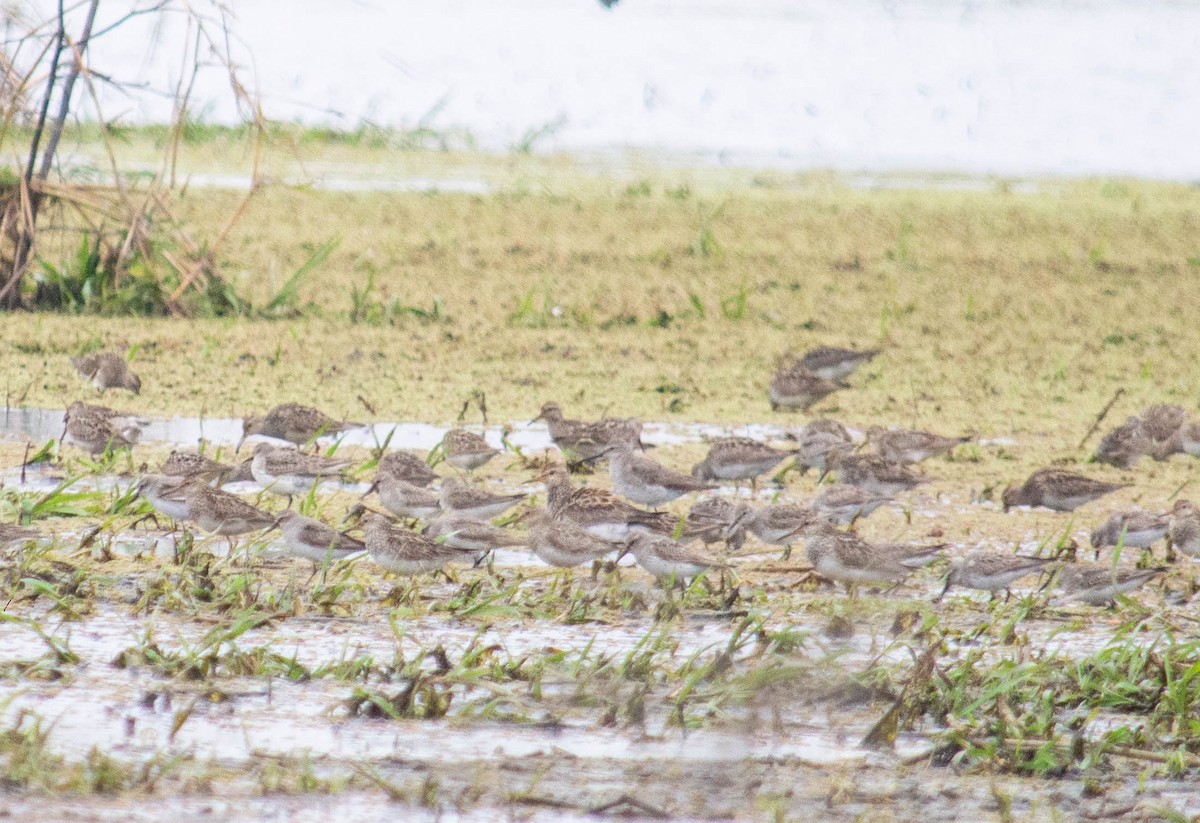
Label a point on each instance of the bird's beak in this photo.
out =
(374, 487)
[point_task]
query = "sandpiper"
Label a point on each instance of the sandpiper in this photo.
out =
(406, 466)
(466, 450)
(313, 540)
(798, 388)
(295, 423)
(991, 572)
(908, 446)
(1133, 529)
(716, 519)
(403, 552)
(877, 474)
(1184, 528)
(598, 511)
(469, 534)
(738, 458)
(167, 494)
(847, 558)
(1162, 421)
(780, 524)
(287, 472)
(822, 443)
(225, 514)
(96, 433)
(582, 441)
(16, 535)
(1098, 585)
(406, 499)
(667, 558)
(1185, 439)
(1057, 489)
(194, 464)
(106, 370)
(845, 504)
(833, 363)
(641, 480)
(1124, 446)
(469, 501)
(561, 543)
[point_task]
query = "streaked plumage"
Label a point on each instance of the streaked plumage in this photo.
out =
(287, 472)
(406, 499)
(1133, 529)
(641, 480)
(991, 572)
(167, 494)
(780, 524)
(908, 446)
(219, 512)
(844, 504)
(405, 466)
(1098, 584)
(96, 429)
(295, 423)
(1057, 489)
(598, 511)
(798, 388)
(561, 543)
(313, 540)
(1124, 446)
(833, 363)
(716, 519)
(470, 534)
(738, 458)
(665, 557)
(106, 370)
(469, 501)
(466, 450)
(584, 441)
(401, 551)
(847, 558)
(1183, 529)
(194, 464)
(877, 474)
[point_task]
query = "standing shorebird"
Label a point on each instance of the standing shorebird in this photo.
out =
(106, 370)
(738, 458)
(844, 505)
(1124, 446)
(716, 519)
(641, 480)
(1099, 585)
(466, 450)
(400, 551)
(405, 466)
(1183, 529)
(295, 423)
(97, 429)
(313, 540)
(847, 558)
(580, 441)
(1134, 530)
(467, 501)
(167, 494)
(561, 543)
(406, 499)
(876, 474)
(598, 511)
(991, 572)
(194, 465)
(906, 446)
(1056, 489)
(221, 513)
(799, 388)
(469, 534)
(779, 524)
(833, 363)
(288, 472)
(667, 558)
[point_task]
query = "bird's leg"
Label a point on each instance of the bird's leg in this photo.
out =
(787, 552)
